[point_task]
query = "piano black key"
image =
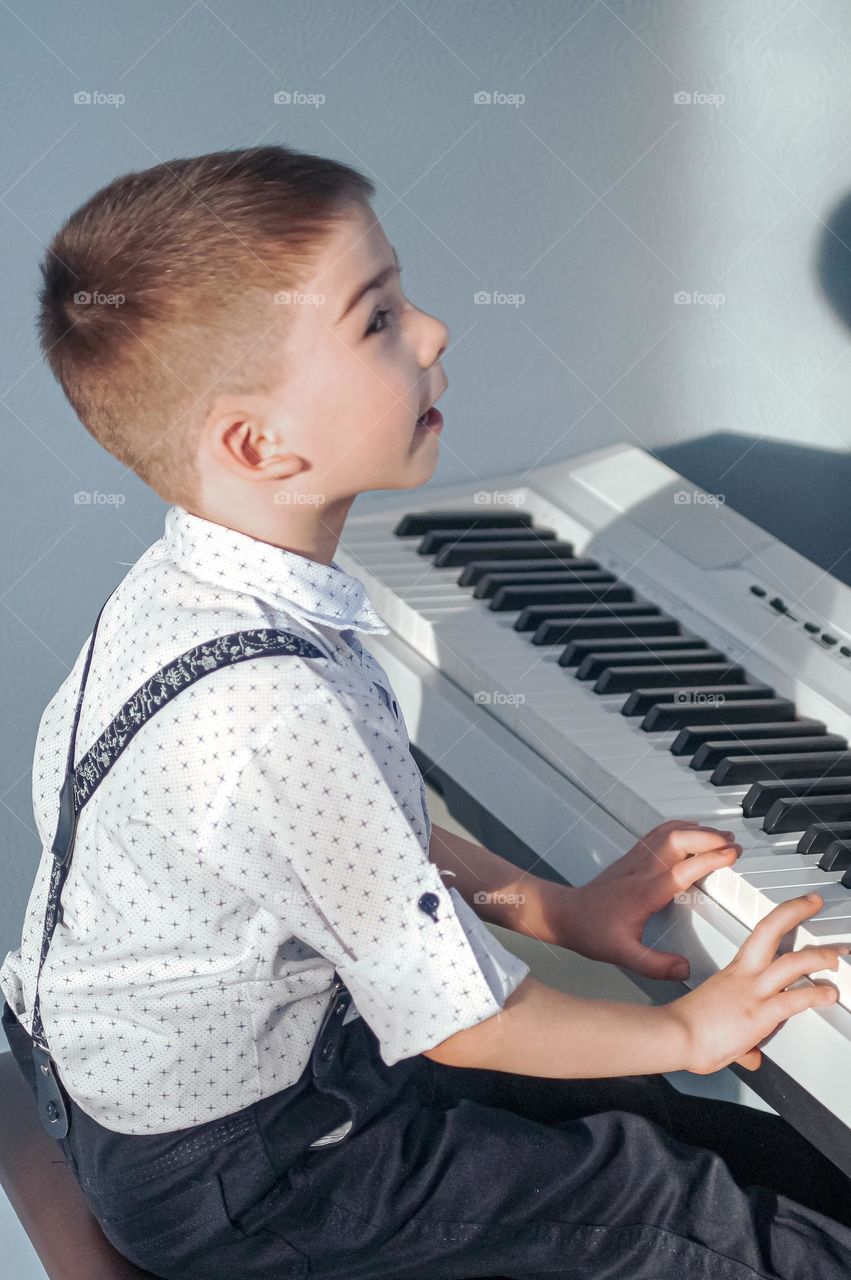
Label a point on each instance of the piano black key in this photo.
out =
(763, 795)
(598, 624)
(640, 701)
(821, 833)
(419, 522)
(432, 541)
(534, 614)
(798, 813)
(491, 582)
(673, 715)
(471, 574)
(466, 553)
(594, 664)
(837, 857)
(625, 679)
(713, 752)
(734, 770)
(693, 736)
(507, 598)
(578, 650)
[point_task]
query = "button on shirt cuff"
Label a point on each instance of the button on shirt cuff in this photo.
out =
(463, 978)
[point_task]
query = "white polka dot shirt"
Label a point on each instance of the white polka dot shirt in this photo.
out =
(265, 827)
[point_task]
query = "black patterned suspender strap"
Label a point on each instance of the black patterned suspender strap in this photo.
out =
(81, 783)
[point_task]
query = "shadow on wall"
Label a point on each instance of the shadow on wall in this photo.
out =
(800, 494)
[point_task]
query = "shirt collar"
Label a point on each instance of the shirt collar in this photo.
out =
(291, 582)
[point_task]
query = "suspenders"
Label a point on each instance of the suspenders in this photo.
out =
(81, 783)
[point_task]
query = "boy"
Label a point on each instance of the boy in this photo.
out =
(262, 842)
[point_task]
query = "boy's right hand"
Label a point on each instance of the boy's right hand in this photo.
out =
(731, 1012)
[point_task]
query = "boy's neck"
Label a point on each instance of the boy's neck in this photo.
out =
(311, 530)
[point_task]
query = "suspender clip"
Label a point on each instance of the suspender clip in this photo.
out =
(51, 1105)
(66, 827)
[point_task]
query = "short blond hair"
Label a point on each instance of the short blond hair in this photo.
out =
(159, 293)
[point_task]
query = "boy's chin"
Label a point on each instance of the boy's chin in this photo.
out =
(418, 470)
(423, 465)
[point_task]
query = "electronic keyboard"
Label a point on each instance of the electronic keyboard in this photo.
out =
(602, 646)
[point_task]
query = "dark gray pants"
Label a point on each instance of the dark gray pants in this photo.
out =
(450, 1173)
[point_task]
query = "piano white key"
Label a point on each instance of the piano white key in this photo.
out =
(766, 858)
(749, 901)
(824, 930)
(782, 883)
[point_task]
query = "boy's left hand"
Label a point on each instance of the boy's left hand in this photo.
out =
(605, 918)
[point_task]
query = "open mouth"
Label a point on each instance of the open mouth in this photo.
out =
(431, 420)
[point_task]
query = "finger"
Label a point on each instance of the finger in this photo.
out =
(659, 835)
(751, 1061)
(652, 963)
(760, 948)
(698, 840)
(684, 842)
(788, 968)
(796, 999)
(685, 873)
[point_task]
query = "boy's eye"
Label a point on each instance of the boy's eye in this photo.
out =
(387, 311)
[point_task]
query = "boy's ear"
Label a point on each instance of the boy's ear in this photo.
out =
(250, 434)
(263, 451)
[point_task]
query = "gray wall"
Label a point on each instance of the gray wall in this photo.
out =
(599, 198)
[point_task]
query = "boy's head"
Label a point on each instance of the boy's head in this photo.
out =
(201, 317)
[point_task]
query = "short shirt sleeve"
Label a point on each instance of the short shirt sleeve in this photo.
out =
(342, 841)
